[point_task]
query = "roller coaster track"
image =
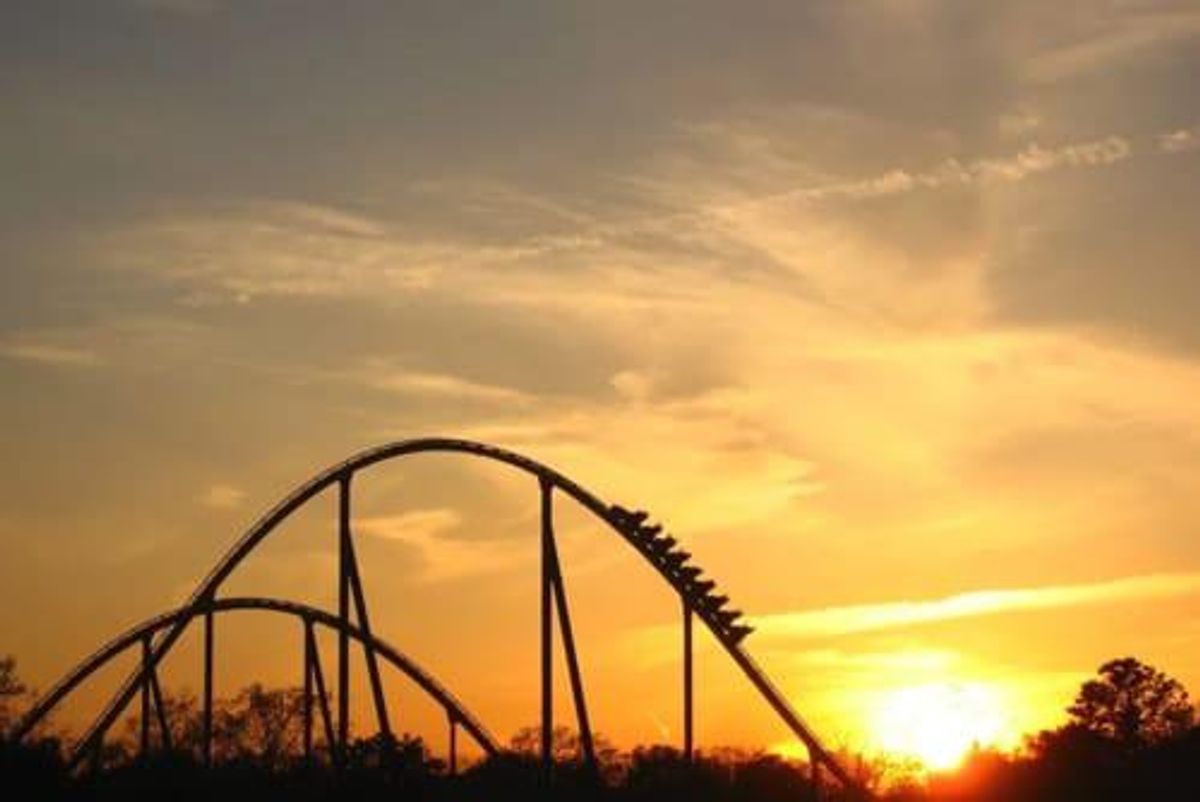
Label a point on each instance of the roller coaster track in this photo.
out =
(697, 595)
(457, 714)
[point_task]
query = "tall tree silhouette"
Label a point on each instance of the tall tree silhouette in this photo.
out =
(260, 724)
(1132, 704)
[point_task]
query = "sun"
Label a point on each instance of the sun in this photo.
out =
(939, 723)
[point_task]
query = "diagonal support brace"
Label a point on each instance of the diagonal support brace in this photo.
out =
(552, 577)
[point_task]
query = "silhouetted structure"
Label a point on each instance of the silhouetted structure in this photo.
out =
(153, 709)
(157, 636)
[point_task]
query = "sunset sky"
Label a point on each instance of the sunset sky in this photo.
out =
(887, 308)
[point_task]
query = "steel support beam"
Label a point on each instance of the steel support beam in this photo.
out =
(91, 744)
(144, 740)
(343, 675)
(568, 637)
(167, 624)
(322, 695)
(164, 728)
(581, 713)
(688, 720)
(453, 744)
(207, 722)
(307, 719)
(364, 624)
(547, 745)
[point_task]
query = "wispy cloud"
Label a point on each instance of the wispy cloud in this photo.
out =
(1037, 159)
(222, 497)
(418, 525)
(278, 248)
(1030, 160)
(694, 222)
(444, 385)
(871, 617)
(1115, 34)
(293, 249)
(442, 558)
(710, 436)
(49, 354)
(780, 634)
(1179, 141)
(926, 661)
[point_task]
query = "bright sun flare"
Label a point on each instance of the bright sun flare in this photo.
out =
(939, 723)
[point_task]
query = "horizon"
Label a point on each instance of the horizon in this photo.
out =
(885, 311)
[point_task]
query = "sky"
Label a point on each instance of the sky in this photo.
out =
(886, 309)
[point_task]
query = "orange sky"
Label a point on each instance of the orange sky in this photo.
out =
(885, 309)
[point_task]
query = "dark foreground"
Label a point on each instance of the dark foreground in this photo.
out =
(1132, 734)
(1065, 766)
(649, 774)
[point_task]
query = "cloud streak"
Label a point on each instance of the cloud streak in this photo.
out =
(1029, 161)
(222, 497)
(446, 386)
(1179, 141)
(855, 619)
(48, 354)
(442, 558)
(292, 249)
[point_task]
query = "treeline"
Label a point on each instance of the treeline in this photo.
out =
(1131, 734)
(378, 768)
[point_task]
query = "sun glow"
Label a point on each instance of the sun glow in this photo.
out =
(939, 723)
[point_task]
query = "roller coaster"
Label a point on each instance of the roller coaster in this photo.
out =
(156, 636)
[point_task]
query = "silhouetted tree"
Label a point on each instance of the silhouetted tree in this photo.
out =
(1128, 738)
(1132, 704)
(565, 746)
(661, 772)
(35, 764)
(11, 689)
(765, 778)
(564, 743)
(1106, 753)
(880, 771)
(182, 712)
(186, 722)
(403, 762)
(382, 750)
(260, 724)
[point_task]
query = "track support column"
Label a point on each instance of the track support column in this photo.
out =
(688, 742)
(207, 723)
(359, 598)
(164, 727)
(144, 740)
(547, 746)
(564, 619)
(322, 696)
(307, 722)
(453, 743)
(554, 601)
(343, 676)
